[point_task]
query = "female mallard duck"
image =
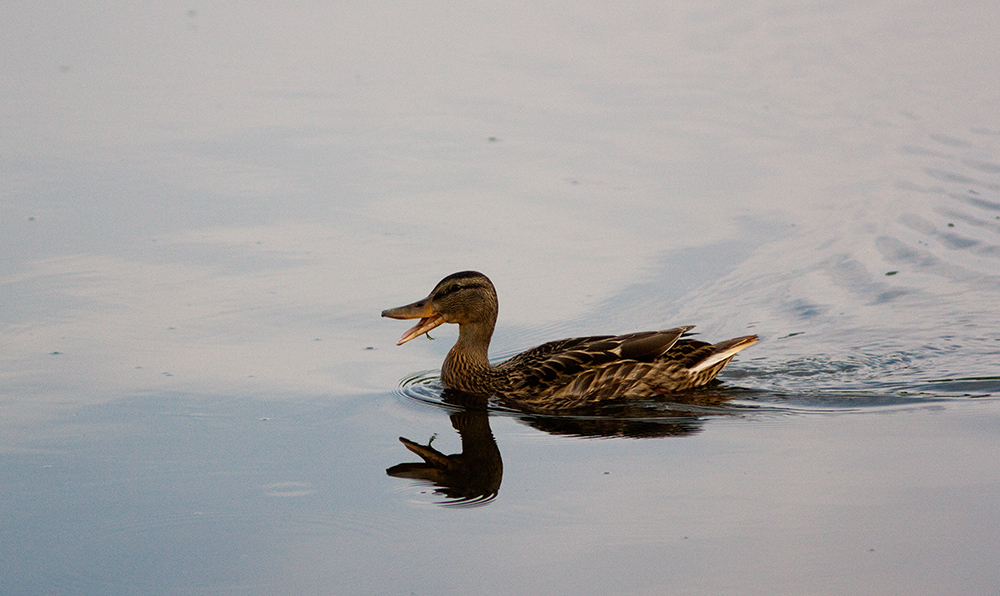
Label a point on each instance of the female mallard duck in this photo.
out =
(563, 373)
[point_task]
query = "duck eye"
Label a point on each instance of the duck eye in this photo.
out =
(451, 289)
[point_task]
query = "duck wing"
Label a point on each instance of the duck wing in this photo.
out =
(574, 372)
(564, 361)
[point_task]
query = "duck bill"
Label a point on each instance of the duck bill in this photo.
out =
(421, 309)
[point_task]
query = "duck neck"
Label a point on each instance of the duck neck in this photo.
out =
(467, 366)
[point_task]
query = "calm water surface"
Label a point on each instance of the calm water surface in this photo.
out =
(204, 209)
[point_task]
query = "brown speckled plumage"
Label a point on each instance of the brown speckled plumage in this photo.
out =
(563, 373)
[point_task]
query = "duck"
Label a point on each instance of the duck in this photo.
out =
(565, 373)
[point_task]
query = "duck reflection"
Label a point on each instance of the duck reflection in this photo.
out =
(473, 476)
(470, 477)
(636, 419)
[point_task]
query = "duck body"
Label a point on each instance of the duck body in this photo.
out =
(564, 373)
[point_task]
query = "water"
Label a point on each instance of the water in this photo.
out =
(204, 209)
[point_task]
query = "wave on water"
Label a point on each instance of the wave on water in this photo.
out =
(811, 386)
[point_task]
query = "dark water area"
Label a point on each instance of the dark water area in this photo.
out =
(170, 494)
(203, 211)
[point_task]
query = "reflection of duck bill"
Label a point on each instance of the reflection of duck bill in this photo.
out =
(435, 463)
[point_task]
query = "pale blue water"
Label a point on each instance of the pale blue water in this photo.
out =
(204, 209)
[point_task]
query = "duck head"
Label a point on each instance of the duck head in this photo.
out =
(467, 298)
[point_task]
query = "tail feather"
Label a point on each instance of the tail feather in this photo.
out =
(724, 350)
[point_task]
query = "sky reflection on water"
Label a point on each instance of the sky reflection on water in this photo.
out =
(203, 210)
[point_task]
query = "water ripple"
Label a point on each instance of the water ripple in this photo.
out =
(807, 385)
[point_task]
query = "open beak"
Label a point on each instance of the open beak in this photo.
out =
(421, 309)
